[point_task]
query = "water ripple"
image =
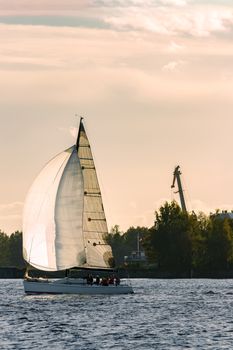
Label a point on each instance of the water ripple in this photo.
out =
(162, 314)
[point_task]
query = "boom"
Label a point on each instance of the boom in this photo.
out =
(177, 178)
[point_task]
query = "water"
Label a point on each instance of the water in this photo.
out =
(162, 314)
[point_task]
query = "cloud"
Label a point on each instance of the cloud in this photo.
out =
(174, 2)
(199, 206)
(144, 220)
(42, 6)
(79, 65)
(195, 205)
(200, 21)
(173, 66)
(185, 18)
(14, 208)
(73, 132)
(11, 217)
(137, 218)
(138, 3)
(160, 202)
(174, 47)
(147, 216)
(55, 21)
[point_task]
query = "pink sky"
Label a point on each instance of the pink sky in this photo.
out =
(153, 80)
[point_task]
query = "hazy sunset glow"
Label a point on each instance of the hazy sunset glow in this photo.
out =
(153, 81)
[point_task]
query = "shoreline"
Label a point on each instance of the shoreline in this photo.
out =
(18, 273)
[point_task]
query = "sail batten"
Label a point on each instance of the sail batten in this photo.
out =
(94, 220)
(64, 221)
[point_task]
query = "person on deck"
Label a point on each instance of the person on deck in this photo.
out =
(117, 281)
(89, 279)
(104, 281)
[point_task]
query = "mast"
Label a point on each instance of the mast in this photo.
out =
(81, 128)
(177, 178)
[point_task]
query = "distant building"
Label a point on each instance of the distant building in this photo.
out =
(136, 256)
(224, 215)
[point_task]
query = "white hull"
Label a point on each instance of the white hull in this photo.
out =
(68, 286)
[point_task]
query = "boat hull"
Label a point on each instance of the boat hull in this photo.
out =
(66, 287)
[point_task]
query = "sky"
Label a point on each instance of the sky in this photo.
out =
(153, 80)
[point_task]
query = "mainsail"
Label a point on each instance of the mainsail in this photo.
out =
(64, 221)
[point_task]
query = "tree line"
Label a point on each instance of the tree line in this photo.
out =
(11, 250)
(179, 241)
(176, 242)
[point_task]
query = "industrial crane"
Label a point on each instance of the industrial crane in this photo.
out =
(177, 178)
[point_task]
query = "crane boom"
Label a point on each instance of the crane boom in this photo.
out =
(177, 178)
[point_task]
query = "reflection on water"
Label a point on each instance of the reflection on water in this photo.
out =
(162, 314)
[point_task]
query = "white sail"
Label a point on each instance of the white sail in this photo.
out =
(98, 253)
(53, 215)
(64, 222)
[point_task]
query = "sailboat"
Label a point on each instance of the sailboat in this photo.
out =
(64, 224)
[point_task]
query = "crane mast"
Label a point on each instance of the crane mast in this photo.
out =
(177, 178)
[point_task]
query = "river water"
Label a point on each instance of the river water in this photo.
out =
(162, 314)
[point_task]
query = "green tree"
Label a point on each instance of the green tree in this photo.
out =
(123, 244)
(198, 231)
(170, 239)
(4, 249)
(15, 250)
(114, 239)
(219, 244)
